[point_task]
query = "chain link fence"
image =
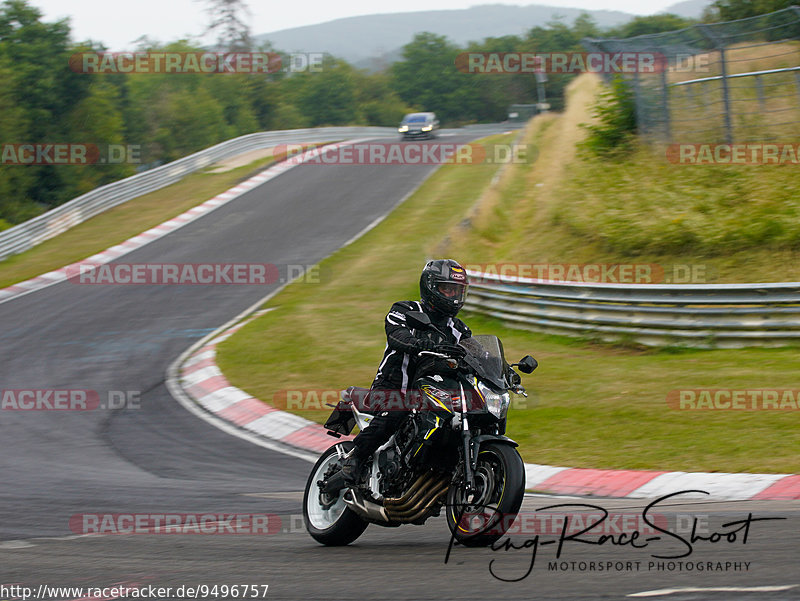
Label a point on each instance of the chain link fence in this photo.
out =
(737, 81)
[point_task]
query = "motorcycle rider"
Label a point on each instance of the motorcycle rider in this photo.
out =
(443, 289)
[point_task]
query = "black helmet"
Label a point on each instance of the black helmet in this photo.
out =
(443, 286)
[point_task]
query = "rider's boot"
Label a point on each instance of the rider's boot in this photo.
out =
(352, 466)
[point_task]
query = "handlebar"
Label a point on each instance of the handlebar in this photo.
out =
(452, 362)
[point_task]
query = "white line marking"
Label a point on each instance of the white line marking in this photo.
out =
(32, 542)
(541, 495)
(715, 589)
(15, 544)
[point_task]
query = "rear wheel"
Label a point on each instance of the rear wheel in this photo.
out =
(327, 517)
(481, 517)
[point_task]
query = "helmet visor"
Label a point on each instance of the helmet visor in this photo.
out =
(452, 291)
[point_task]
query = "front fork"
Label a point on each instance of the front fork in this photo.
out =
(466, 437)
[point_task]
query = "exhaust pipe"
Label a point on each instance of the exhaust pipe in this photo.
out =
(412, 495)
(412, 506)
(363, 507)
(414, 517)
(413, 510)
(412, 490)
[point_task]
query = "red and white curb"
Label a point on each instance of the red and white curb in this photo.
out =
(154, 233)
(202, 380)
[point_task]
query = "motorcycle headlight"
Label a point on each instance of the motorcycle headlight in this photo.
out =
(496, 403)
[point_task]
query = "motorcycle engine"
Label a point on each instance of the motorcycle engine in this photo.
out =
(395, 478)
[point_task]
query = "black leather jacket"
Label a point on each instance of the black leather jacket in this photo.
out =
(402, 343)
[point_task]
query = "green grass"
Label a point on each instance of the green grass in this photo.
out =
(122, 222)
(686, 209)
(590, 406)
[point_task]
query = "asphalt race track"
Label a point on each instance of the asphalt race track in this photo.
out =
(155, 457)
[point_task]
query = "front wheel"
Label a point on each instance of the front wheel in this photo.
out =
(328, 519)
(480, 517)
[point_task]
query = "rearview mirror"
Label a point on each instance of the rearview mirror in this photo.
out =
(417, 320)
(527, 364)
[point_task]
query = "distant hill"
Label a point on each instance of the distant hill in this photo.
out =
(371, 40)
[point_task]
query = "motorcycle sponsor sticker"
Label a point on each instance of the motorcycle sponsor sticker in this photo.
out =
(560, 62)
(176, 523)
(406, 153)
(728, 399)
(734, 154)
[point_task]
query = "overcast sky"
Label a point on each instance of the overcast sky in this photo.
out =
(117, 24)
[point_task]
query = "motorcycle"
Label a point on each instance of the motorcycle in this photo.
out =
(450, 452)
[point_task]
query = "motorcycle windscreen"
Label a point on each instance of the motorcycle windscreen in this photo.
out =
(488, 359)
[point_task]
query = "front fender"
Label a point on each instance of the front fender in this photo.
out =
(477, 441)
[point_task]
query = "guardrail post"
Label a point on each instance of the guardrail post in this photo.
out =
(726, 98)
(797, 83)
(762, 103)
(665, 103)
(637, 95)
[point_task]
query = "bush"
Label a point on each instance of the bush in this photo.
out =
(615, 130)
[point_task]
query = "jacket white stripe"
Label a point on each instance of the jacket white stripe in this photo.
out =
(456, 333)
(385, 359)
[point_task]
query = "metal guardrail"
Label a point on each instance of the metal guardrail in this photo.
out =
(696, 315)
(34, 231)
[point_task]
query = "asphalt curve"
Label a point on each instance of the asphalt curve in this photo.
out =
(156, 458)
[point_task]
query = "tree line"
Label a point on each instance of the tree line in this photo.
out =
(44, 101)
